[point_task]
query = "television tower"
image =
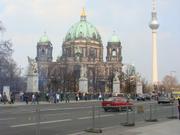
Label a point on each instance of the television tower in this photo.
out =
(154, 26)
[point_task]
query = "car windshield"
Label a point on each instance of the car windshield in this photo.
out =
(163, 97)
(117, 99)
(111, 99)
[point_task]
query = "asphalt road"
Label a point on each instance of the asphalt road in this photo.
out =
(69, 118)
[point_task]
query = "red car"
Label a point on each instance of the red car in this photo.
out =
(116, 103)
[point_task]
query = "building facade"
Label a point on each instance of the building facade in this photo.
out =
(82, 46)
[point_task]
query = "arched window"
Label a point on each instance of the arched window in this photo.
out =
(43, 51)
(114, 53)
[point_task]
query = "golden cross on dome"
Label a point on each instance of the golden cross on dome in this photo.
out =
(83, 12)
(84, 3)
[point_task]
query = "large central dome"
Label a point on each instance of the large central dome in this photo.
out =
(83, 30)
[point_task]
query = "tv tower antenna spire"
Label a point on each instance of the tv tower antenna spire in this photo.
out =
(154, 5)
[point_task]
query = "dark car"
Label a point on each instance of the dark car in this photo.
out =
(117, 104)
(147, 96)
(140, 97)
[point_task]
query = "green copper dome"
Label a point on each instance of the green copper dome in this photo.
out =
(44, 39)
(114, 38)
(83, 30)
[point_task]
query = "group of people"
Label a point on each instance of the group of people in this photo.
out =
(81, 96)
(57, 97)
(86, 96)
(33, 97)
(5, 99)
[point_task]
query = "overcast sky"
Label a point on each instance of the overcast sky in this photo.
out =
(27, 20)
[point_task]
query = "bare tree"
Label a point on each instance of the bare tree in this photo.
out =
(169, 82)
(129, 79)
(9, 71)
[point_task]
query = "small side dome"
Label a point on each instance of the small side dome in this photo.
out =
(114, 38)
(44, 39)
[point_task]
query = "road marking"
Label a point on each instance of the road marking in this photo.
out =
(63, 109)
(107, 115)
(83, 118)
(55, 114)
(43, 122)
(23, 125)
(7, 119)
(78, 133)
(90, 117)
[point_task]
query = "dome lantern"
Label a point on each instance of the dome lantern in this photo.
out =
(44, 38)
(114, 38)
(83, 15)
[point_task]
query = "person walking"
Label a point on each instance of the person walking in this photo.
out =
(67, 97)
(179, 107)
(0, 98)
(62, 96)
(77, 96)
(4, 98)
(47, 97)
(33, 99)
(57, 97)
(100, 96)
(12, 97)
(26, 98)
(37, 96)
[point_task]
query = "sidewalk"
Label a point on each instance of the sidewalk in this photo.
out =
(171, 127)
(43, 103)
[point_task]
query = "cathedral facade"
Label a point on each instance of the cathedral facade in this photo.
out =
(82, 47)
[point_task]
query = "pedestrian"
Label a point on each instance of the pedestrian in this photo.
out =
(62, 96)
(4, 98)
(12, 98)
(37, 97)
(100, 96)
(67, 97)
(179, 107)
(47, 97)
(0, 98)
(33, 99)
(57, 97)
(54, 98)
(26, 98)
(77, 96)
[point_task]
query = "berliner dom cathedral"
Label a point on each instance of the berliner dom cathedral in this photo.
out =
(81, 66)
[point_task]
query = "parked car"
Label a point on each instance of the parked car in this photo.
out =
(140, 97)
(117, 104)
(147, 96)
(164, 99)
